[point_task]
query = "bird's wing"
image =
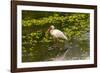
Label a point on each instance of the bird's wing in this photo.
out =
(60, 34)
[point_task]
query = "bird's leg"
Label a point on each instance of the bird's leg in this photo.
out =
(55, 42)
(53, 45)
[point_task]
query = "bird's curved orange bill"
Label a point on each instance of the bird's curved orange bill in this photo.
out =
(49, 30)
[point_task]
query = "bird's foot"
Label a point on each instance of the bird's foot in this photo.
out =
(50, 48)
(54, 46)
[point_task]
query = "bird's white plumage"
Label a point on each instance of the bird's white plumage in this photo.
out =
(57, 34)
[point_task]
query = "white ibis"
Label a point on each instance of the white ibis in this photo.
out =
(55, 33)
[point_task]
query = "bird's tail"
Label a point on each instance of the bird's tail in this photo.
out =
(65, 37)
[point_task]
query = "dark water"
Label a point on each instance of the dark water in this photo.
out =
(49, 51)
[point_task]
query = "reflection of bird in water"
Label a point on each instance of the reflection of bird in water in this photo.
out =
(62, 57)
(56, 34)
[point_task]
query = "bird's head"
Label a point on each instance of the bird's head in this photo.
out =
(51, 28)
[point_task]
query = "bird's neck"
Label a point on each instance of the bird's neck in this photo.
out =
(51, 30)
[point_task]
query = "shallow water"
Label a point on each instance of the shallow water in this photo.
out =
(44, 51)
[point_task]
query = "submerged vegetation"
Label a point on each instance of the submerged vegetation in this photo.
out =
(36, 42)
